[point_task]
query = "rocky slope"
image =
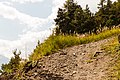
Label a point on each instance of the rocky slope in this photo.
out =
(82, 62)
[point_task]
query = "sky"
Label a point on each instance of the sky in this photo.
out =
(24, 22)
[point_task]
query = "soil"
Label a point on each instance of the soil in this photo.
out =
(82, 62)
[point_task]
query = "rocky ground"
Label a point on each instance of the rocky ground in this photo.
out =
(82, 62)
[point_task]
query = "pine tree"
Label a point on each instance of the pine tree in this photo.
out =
(100, 15)
(65, 20)
(61, 21)
(78, 20)
(13, 64)
(89, 21)
(108, 15)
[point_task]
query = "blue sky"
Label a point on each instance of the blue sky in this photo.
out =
(24, 22)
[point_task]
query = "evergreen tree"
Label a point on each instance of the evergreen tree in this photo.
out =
(61, 21)
(100, 15)
(78, 20)
(89, 21)
(114, 12)
(13, 64)
(73, 19)
(65, 19)
(108, 15)
(118, 13)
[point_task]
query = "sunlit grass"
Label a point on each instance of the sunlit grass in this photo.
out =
(113, 48)
(54, 43)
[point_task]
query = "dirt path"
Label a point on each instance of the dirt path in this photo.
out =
(83, 62)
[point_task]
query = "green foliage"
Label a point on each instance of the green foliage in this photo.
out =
(72, 19)
(108, 14)
(54, 43)
(14, 63)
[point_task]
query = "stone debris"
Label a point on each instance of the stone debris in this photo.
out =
(70, 64)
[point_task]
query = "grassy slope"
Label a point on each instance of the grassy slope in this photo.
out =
(54, 43)
(113, 48)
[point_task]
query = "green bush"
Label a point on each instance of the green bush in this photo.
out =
(13, 65)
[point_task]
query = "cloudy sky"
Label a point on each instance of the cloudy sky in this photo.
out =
(24, 22)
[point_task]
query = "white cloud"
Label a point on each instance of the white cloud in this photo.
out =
(26, 1)
(7, 12)
(6, 3)
(28, 40)
(91, 3)
(56, 4)
(26, 43)
(13, 14)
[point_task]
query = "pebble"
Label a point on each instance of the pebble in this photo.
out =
(74, 54)
(74, 72)
(35, 74)
(83, 53)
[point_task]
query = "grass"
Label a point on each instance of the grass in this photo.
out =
(113, 49)
(54, 43)
(89, 61)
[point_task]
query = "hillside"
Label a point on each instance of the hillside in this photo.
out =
(83, 62)
(82, 46)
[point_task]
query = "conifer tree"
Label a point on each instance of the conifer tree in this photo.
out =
(89, 21)
(66, 18)
(100, 15)
(13, 64)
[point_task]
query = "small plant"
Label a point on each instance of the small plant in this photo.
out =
(14, 63)
(89, 61)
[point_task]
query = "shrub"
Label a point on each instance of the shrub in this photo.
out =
(13, 64)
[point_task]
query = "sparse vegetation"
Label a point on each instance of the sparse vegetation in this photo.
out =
(113, 49)
(54, 43)
(13, 65)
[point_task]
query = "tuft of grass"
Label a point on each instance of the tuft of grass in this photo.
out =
(54, 43)
(89, 61)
